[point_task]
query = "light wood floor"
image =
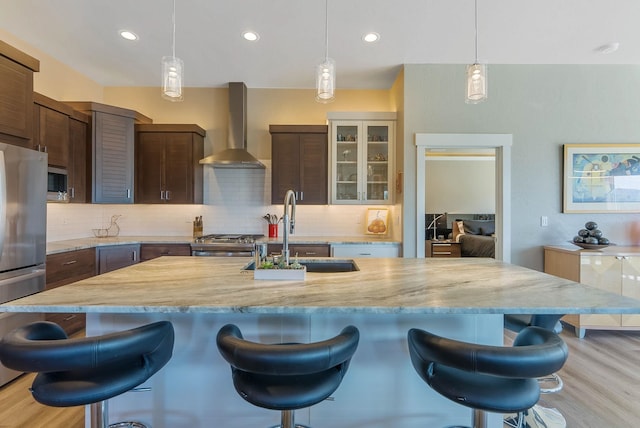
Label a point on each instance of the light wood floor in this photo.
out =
(601, 378)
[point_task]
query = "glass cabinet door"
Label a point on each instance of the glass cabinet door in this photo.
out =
(377, 169)
(347, 162)
(362, 161)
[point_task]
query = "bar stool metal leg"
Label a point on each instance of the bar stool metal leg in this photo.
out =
(100, 415)
(287, 420)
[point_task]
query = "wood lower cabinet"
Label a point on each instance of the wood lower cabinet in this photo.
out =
(613, 269)
(365, 250)
(168, 168)
(65, 268)
(152, 251)
(301, 250)
(299, 156)
(115, 257)
(16, 95)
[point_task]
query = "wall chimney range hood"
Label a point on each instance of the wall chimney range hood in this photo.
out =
(236, 154)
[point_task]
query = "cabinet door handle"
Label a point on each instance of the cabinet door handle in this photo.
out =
(310, 253)
(46, 150)
(167, 195)
(301, 195)
(364, 254)
(70, 262)
(162, 195)
(69, 318)
(72, 192)
(135, 255)
(128, 193)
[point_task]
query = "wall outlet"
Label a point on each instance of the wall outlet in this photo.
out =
(544, 221)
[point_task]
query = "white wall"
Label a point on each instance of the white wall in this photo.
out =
(543, 107)
(463, 185)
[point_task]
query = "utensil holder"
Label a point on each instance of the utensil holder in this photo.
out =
(197, 230)
(273, 230)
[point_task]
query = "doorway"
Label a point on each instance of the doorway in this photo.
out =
(501, 143)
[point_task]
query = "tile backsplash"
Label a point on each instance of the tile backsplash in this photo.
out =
(235, 200)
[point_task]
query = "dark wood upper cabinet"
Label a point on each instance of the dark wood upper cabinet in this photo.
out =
(168, 168)
(299, 156)
(16, 95)
(79, 169)
(112, 137)
(51, 129)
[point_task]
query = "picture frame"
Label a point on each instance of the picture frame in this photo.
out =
(377, 221)
(601, 178)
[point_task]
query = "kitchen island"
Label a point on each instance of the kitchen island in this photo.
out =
(458, 298)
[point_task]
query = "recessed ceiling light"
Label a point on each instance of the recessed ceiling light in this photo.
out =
(251, 36)
(608, 48)
(129, 35)
(371, 37)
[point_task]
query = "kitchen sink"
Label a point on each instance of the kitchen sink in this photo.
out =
(321, 265)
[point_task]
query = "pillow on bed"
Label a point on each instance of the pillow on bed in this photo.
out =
(480, 227)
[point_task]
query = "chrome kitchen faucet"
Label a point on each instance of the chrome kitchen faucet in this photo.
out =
(289, 222)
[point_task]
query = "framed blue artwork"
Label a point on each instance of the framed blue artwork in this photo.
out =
(600, 178)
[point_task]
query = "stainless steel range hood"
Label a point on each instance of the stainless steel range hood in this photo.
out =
(236, 154)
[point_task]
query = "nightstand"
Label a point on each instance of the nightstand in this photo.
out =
(448, 249)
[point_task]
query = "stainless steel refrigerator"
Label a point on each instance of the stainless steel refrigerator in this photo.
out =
(23, 228)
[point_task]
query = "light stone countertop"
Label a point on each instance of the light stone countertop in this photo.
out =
(383, 285)
(90, 242)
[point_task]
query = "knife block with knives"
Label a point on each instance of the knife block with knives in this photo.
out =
(197, 227)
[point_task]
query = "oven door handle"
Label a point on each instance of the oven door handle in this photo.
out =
(221, 253)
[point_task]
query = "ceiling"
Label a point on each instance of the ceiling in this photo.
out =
(84, 35)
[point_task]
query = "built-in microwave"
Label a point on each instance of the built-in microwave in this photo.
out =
(57, 185)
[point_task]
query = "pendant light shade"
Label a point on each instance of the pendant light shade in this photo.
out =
(172, 69)
(326, 81)
(476, 83)
(476, 73)
(326, 71)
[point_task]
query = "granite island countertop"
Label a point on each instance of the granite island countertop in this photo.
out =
(382, 285)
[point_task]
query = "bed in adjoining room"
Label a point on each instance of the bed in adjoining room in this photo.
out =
(476, 237)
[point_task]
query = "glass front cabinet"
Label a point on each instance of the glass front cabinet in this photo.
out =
(362, 161)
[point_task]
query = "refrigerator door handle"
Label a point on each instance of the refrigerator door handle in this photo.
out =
(3, 201)
(36, 272)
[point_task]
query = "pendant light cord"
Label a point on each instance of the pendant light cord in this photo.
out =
(326, 29)
(173, 20)
(476, 27)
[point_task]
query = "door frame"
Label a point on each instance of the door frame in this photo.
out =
(501, 143)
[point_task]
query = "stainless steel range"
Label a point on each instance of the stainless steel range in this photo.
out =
(227, 245)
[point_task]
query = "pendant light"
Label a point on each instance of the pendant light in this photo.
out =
(326, 71)
(476, 73)
(172, 70)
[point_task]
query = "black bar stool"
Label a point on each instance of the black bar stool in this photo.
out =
(287, 376)
(88, 370)
(487, 378)
(548, 384)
